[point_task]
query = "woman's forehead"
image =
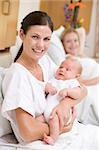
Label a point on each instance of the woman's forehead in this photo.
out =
(71, 35)
(40, 29)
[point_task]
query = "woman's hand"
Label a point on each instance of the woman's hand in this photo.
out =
(63, 112)
(41, 118)
(81, 80)
(68, 127)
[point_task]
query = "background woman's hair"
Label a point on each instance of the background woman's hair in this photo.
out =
(34, 18)
(70, 30)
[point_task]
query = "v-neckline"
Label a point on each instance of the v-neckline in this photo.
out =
(43, 74)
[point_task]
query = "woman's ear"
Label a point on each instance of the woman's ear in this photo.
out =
(21, 34)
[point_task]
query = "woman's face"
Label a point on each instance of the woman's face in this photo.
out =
(36, 41)
(71, 43)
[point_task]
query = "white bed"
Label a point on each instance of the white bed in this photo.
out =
(67, 141)
(88, 110)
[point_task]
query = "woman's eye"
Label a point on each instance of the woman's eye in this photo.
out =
(47, 39)
(68, 41)
(35, 37)
(76, 40)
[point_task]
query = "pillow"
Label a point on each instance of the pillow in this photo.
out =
(90, 67)
(88, 108)
(56, 49)
(5, 127)
(82, 34)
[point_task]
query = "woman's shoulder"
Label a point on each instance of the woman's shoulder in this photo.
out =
(46, 60)
(16, 70)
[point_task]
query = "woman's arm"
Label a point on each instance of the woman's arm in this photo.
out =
(31, 129)
(63, 108)
(88, 82)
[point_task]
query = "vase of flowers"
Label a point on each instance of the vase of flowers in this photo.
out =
(71, 12)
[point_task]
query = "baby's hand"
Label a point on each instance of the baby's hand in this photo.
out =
(63, 93)
(52, 90)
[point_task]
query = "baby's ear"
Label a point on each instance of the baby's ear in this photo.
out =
(78, 75)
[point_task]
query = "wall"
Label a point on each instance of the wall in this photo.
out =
(90, 39)
(25, 7)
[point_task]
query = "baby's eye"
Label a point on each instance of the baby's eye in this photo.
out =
(68, 69)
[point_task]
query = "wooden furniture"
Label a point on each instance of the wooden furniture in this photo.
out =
(8, 22)
(97, 31)
(55, 9)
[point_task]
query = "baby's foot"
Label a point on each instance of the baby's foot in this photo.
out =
(48, 139)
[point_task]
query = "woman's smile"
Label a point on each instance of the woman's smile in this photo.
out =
(37, 51)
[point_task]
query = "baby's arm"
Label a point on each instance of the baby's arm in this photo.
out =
(50, 89)
(73, 93)
(88, 82)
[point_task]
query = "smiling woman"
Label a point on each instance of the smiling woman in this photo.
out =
(29, 73)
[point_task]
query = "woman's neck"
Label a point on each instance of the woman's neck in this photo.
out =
(27, 62)
(32, 66)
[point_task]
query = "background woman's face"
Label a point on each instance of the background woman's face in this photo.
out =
(36, 41)
(71, 43)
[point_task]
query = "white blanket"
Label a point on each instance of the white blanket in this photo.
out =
(81, 137)
(88, 109)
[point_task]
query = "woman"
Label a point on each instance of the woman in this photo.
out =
(71, 43)
(25, 79)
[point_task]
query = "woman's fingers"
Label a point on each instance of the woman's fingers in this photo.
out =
(60, 116)
(74, 114)
(61, 119)
(66, 128)
(53, 113)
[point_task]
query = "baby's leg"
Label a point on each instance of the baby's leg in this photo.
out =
(54, 130)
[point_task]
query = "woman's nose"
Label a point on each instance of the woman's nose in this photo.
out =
(73, 43)
(40, 44)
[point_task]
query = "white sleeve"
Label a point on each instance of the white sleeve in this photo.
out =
(17, 93)
(74, 83)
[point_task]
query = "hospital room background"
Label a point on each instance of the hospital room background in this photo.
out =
(22, 7)
(11, 14)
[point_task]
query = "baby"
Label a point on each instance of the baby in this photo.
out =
(67, 86)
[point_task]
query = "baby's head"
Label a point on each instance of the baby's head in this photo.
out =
(69, 69)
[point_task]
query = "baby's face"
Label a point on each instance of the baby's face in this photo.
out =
(71, 43)
(67, 70)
